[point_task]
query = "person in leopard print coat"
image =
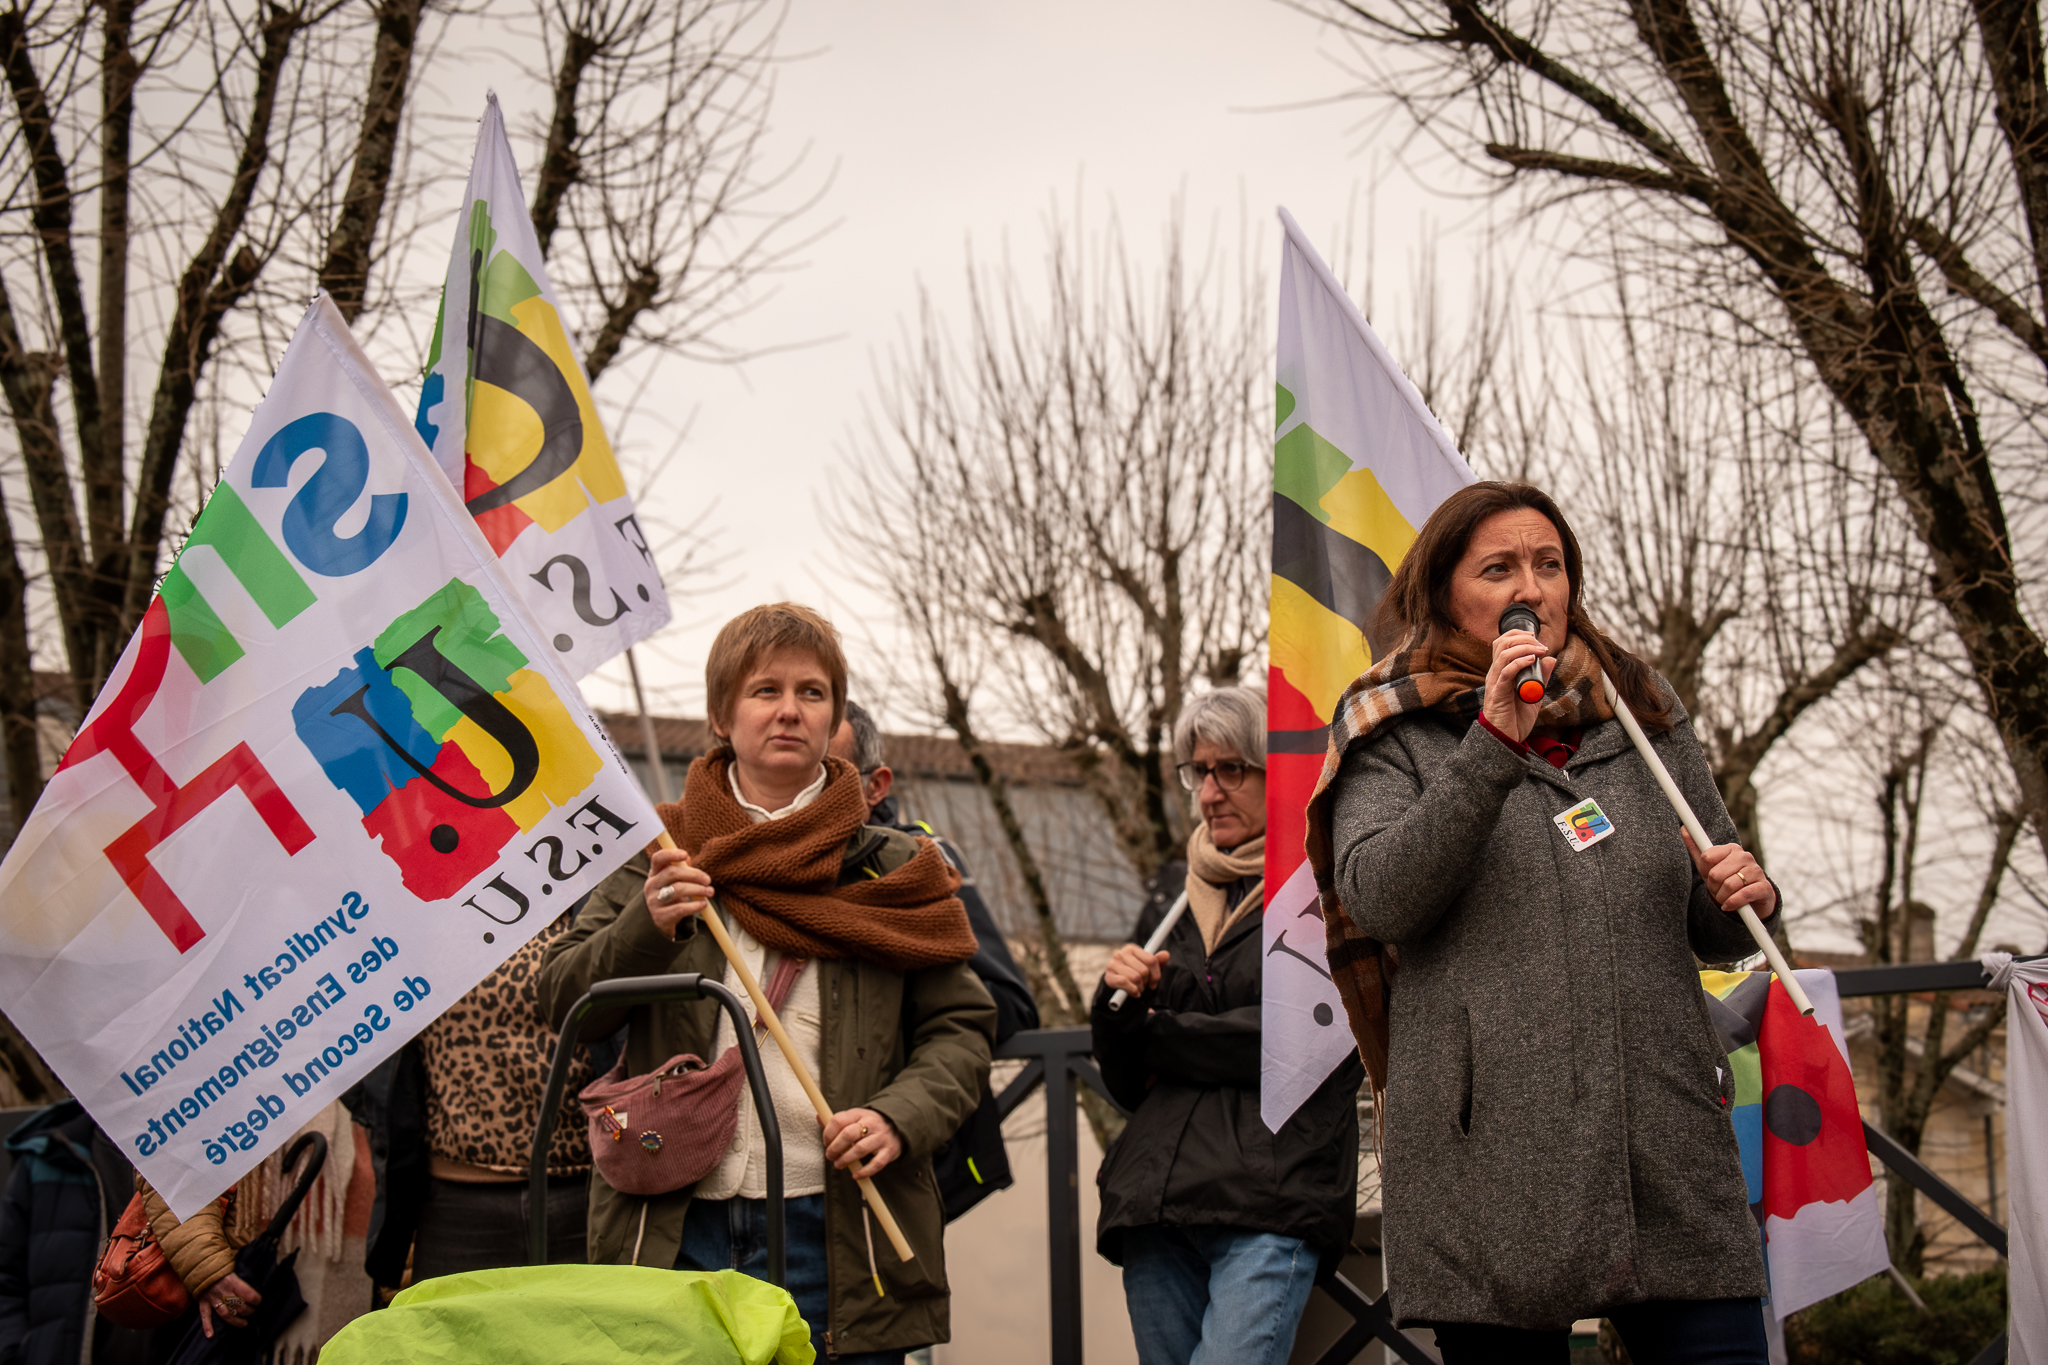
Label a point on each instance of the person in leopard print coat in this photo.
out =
(486, 1066)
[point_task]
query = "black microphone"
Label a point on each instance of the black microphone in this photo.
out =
(1529, 683)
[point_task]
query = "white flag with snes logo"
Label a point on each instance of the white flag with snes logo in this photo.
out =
(335, 779)
(506, 410)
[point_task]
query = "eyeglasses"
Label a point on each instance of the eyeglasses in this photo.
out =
(1229, 774)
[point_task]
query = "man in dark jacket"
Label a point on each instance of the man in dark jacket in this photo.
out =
(1220, 1225)
(67, 1191)
(859, 742)
(975, 1164)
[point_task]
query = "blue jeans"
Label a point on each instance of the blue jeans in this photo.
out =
(1660, 1332)
(732, 1234)
(1215, 1295)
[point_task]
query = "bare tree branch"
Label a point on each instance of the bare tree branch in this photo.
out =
(206, 292)
(346, 274)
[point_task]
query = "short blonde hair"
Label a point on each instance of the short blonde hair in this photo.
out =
(755, 634)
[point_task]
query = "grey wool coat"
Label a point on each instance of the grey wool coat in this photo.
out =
(1556, 1127)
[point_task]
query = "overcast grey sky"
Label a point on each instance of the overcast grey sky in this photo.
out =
(950, 124)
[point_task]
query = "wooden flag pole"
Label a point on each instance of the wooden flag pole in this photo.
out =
(1703, 843)
(657, 773)
(766, 1014)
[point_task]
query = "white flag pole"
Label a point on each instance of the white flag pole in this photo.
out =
(1703, 843)
(1173, 914)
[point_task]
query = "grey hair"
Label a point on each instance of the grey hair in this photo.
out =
(867, 738)
(1231, 718)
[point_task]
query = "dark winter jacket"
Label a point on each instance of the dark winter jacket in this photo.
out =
(1016, 1007)
(1557, 1134)
(975, 1162)
(391, 1103)
(1185, 1061)
(68, 1189)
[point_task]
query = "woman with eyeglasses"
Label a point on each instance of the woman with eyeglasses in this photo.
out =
(1218, 1223)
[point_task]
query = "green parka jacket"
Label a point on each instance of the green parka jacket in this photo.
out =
(912, 1046)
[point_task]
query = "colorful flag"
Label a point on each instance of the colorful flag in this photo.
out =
(506, 410)
(2026, 1159)
(1359, 463)
(335, 779)
(1803, 1156)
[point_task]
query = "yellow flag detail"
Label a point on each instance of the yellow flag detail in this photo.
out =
(1359, 508)
(505, 432)
(1318, 651)
(566, 763)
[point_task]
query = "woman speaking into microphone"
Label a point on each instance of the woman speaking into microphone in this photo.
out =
(1516, 914)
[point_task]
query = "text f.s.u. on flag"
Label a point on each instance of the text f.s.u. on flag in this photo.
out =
(1359, 463)
(506, 410)
(334, 780)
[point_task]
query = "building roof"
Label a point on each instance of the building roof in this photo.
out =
(1094, 891)
(910, 756)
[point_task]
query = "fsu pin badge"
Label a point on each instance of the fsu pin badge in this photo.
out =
(1584, 825)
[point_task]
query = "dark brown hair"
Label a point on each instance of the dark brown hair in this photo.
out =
(755, 634)
(1417, 604)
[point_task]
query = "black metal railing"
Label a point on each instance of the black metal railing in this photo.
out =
(1057, 1058)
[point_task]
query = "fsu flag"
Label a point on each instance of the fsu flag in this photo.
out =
(1359, 463)
(506, 410)
(1803, 1155)
(334, 780)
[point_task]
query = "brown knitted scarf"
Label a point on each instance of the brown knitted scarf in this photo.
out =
(1446, 674)
(780, 878)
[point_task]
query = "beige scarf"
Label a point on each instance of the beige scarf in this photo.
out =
(1210, 870)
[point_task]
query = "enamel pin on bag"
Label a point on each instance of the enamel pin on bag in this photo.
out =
(1584, 825)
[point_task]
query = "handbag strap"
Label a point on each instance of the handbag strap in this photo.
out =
(782, 981)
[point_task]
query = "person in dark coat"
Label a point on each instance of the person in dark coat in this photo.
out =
(974, 1163)
(68, 1189)
(1524, 914)
(1220, 1225)
(862, 930)
(859, 742)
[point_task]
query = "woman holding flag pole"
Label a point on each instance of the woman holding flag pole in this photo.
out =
(864, 948)
(1219, 1223)
(1514, 915)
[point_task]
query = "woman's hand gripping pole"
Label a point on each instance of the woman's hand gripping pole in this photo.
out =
(1701, 842)
(766, 1014)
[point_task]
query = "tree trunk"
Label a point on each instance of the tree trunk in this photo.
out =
(18, 738)
(105, 477)
(560, 164)
(346, 275)
(1064, 1003)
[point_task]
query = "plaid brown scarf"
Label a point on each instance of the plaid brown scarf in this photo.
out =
(780, 878)
(1446, 674)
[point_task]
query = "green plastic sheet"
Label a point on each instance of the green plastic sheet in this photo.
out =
(564, 1314)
